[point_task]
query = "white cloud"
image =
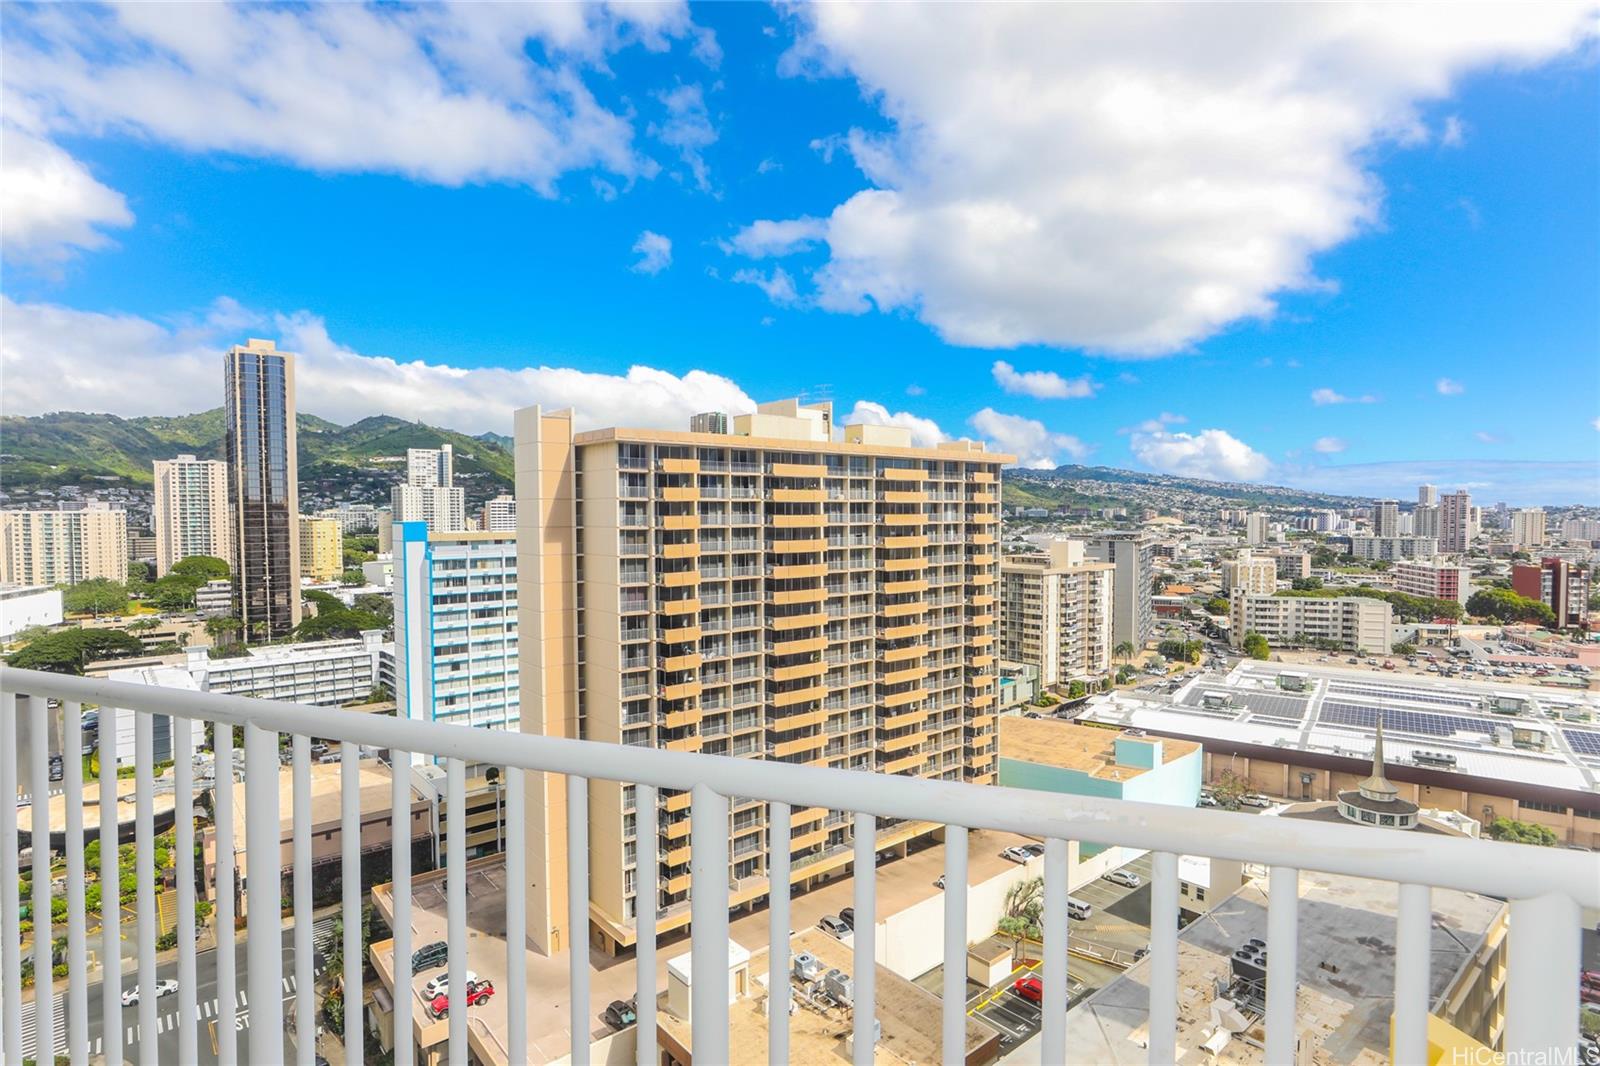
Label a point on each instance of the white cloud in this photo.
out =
(925, 432)
(1156, 424)
(1214, 454)
(1041, 384)
(1454, 133)
(918, 390)
(1324, 397)
(437, 93)
(1483, 436)
(1127, 378)
(688, 129)
(57, 358)
(1596, 424)
(1128, 179)
(779, 285)
(765, 237)
(1449, 387)
(655, 253)
(49, 202)
(1330, 445)
(1034, 446)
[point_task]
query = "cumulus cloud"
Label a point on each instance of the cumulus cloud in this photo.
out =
(925, 432)
(779, 285)
(1213, 454)
(50, 203)
(654, 251)
(1329, 445)
(1034, 445)
(1324, 397)
(437, 93)
(1128, 180)
(1156, 424)
(1041, 384)
(766, 236)
(57, 358)
(688, 129)
(1449, 387)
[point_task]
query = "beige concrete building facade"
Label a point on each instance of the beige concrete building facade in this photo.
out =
(321, 548)
(190, 510)
(784, 596)
(1056, 613)
(1352, 622)
(63, 547)
(1248, 574)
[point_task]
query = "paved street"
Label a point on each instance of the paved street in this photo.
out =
(208, 1006)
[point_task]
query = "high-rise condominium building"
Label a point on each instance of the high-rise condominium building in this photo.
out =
(1527, 528)
(499, 515)
(1250, 574)
(1132, 616)
(709, 422)
(63, 547)
(429, 494)
(353, 518)
(1455, 522)
(455, 610)
(321, 548)
(1559, 585)
(773, 594)
(1386, 518)
(1392, 548)
(190, 510)
(263, 487)
(1437, 578)
(1055, 613)
(1425, 520)
(1427, 496)
(1582, 530)
(1255, 528)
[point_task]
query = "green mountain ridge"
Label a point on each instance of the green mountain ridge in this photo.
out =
(71, 447)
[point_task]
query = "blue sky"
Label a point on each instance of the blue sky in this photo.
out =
(1295, 249)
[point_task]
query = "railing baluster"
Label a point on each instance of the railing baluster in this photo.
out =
(183, 851)
(1543, 954)
(305, 997)
(516, 915)
(646, 827)
(44, 997)
(77, 921)
(708, 922)
(227, 973)
(1413, 951)
(864, 1010)
(1053, 1005)
(10, 901)
(779, 835)
(1163, 1020)
(1283, 914)
(400, 880)
(954, 1027)
(144, 865)
(455, 878)
(350, 882)
(578, 915)
(110, 888)
(263, 842)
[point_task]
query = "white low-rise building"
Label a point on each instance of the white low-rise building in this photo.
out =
(23, 606)
(326, 673)
(1351, 622)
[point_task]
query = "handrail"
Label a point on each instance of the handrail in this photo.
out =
(1512, 871)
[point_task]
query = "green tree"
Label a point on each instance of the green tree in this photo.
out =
(1307, 583)
(96, 596)
(1216, 605)
(1124, 650)
(1022, 908)
(379, 606)
(1188, 651)
(1521, 832)
(66, 651)
(1076, 690)
(223, 630)
(1229, 789)
(1255, 645)
(1404, 648)
(199, 569)
(1503, 605)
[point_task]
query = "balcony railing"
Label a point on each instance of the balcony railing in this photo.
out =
(1545, 887)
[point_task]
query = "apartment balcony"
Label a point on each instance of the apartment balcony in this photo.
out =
(1545, 887)
(902, 473)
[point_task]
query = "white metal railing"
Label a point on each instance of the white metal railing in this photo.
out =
(1545, 887)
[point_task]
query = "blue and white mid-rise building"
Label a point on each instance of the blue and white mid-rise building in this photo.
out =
(455, 619)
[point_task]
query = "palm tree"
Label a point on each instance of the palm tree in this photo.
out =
(1124, 649)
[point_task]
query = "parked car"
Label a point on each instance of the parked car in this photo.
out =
(939, 884)
(1207, 800)
(1029, 988)
(441, 984)
(476, 994)
(430, 955)
(1034, 850)
(847, 915)
(1017, 853)
(1125, 878)
(163, 988)
(833, 926)
(620, 1014)
(1255, 799)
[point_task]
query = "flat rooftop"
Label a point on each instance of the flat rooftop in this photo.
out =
(910, 1017)
(1346, 973)
(1544, 738)
(1086, 748)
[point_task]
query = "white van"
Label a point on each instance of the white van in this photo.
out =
(1077, 908)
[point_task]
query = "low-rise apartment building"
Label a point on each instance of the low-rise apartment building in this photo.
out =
(326, 673)
(1434, 578)
(1055, 613)
(1351, 622)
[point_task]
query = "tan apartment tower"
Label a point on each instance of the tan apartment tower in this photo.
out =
(1055, 613)
(770, 593)
(190, 510)
(263, 487)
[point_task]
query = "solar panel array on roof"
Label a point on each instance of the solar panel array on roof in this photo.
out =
(1275, 706)
(1424, 723)
(1583, 741)
(1411, 694)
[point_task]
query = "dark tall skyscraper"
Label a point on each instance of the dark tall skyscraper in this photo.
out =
(263, 489)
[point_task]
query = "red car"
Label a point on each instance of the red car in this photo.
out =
(1029, 988)
(476, 994)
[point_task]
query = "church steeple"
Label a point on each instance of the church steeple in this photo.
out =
(1378, 787)
(1376, 800)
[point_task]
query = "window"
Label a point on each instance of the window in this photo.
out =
(1199, 894)
(1548, 808)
